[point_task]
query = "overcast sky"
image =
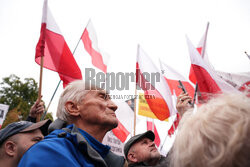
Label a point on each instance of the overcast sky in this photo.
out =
(159, 26)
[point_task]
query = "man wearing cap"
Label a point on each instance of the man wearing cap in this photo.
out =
(89, 114)
(17, 138)
(140, 151)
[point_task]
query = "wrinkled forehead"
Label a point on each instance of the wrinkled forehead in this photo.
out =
(95, 92)
(95, 88)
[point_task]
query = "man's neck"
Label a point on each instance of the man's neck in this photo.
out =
(153, 162)
(95, 131)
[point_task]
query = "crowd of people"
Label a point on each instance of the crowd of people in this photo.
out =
(216, 134)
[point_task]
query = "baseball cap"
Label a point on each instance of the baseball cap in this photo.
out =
(23, 126)
(149, 134)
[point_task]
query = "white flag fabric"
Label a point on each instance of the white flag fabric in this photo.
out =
(3, 112)
(240, 81)
(161, 104)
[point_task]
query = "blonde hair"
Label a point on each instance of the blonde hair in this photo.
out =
(217, 135)
(74, 91)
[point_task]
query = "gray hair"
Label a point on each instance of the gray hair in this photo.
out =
(74, 91)
(218, 134)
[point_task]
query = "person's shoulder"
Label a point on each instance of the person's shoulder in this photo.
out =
(47, 151)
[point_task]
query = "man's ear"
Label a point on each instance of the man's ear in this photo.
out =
(10, 148)
(72, 108)
(132, 157)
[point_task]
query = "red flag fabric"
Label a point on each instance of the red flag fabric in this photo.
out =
(161, 104)
(157, 137)
(121, 132)
(54, 49)
(125, 116)
(172, 77)
(209, 82)
(174, 125)
(90, 43)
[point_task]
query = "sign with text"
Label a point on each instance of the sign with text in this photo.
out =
(116, 145)
(3, 112)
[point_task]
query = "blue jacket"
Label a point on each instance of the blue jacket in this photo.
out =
(70, 147)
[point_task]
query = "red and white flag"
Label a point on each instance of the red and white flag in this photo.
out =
(90, 44)
(161, 105)
(121, 132)
(174, 125)
(54, 49)
(157, 137)
(172, 77)
(201, 48)
(209, 82)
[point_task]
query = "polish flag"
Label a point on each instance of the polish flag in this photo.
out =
(161, 105)
(90, 43)
(125, 115)
(157, 137)
(201, 48)
(208, 81)
(172, 77)
(54, 49)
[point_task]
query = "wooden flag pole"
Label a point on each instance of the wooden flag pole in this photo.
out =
(136, 75)
(38, 118)
(135, 109)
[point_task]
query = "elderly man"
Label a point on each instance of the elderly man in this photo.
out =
(90, 114)
(17, 138)
(140, 150)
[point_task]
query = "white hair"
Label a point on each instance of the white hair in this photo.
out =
(74, 91)
(217, 135)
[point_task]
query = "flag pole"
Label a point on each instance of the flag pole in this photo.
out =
(47, 108)
(247, 55)
(40, 87)
(195, 92)
(44, 18)
(167, 133)
(164, 142)
(205, 41)
(135, 105)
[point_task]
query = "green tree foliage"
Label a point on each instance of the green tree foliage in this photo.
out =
(20, 96)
